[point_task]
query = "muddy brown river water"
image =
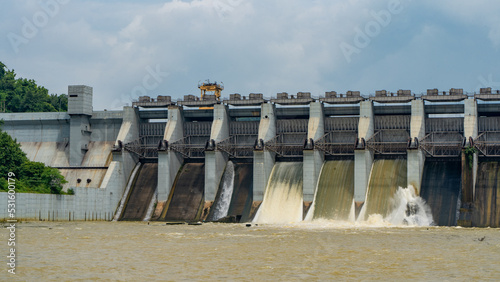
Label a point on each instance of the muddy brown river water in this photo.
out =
(136, 251)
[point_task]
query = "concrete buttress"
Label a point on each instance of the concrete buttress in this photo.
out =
(313, 159)
(169, 162)
(416, 157)
(264, 160)
(215, 161)
(471, 130)
(363, 159)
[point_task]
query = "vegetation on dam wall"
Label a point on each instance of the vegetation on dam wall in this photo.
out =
(24, 95)
(31, 177)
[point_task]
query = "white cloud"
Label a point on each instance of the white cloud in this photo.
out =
(480, 13)
(253, 46)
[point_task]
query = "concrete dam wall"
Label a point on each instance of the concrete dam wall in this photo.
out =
(224, 160)
(79, 143)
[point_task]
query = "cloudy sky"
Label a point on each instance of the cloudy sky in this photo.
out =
(124, 49)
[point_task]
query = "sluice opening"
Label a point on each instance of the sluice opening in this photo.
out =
(185, 202)
(142, 192)
(241, 202)
(234, 198)
(487, 199)
(283, 201)
(222, 201)
(441, 182)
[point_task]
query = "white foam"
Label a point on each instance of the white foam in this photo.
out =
(409, 209)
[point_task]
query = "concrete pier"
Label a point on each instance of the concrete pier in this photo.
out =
(363, 158)
(313, 159)
(129, 131)
(169, 162)
(470, 119)
(416, 157)
(469, 169)
(471, 130)
(263, 160)
(215, 161)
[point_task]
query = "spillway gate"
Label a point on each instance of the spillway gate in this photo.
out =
(444, 137)
(392, 134)
(290, 138)
(241, 140)
(196, 137)
(150, 135)
(488, 140)
(340, 136)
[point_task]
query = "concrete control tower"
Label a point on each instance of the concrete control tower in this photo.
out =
(80, 111)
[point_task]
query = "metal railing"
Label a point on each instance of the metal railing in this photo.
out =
(235, 147)
(488, 143)
(389, 142)
(443, 144)
(337, 143)
(146, 147)
(188, 147)
(290, 148)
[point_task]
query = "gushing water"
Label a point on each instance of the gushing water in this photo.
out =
(335, 191)
(283, 202)
(151, 207)
(405, 209)
(222, 205)
(385, 178)
(409, 209)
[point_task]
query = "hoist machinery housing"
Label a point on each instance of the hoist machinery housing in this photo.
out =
(214, 87)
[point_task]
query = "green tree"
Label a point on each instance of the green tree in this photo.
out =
(52, 178)
(59, 102)
(24, 95)
(45, 179)
(11, 155)
(2, 70)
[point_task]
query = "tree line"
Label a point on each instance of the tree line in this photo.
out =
(24, 95)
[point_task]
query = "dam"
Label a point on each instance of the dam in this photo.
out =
(278, 160)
